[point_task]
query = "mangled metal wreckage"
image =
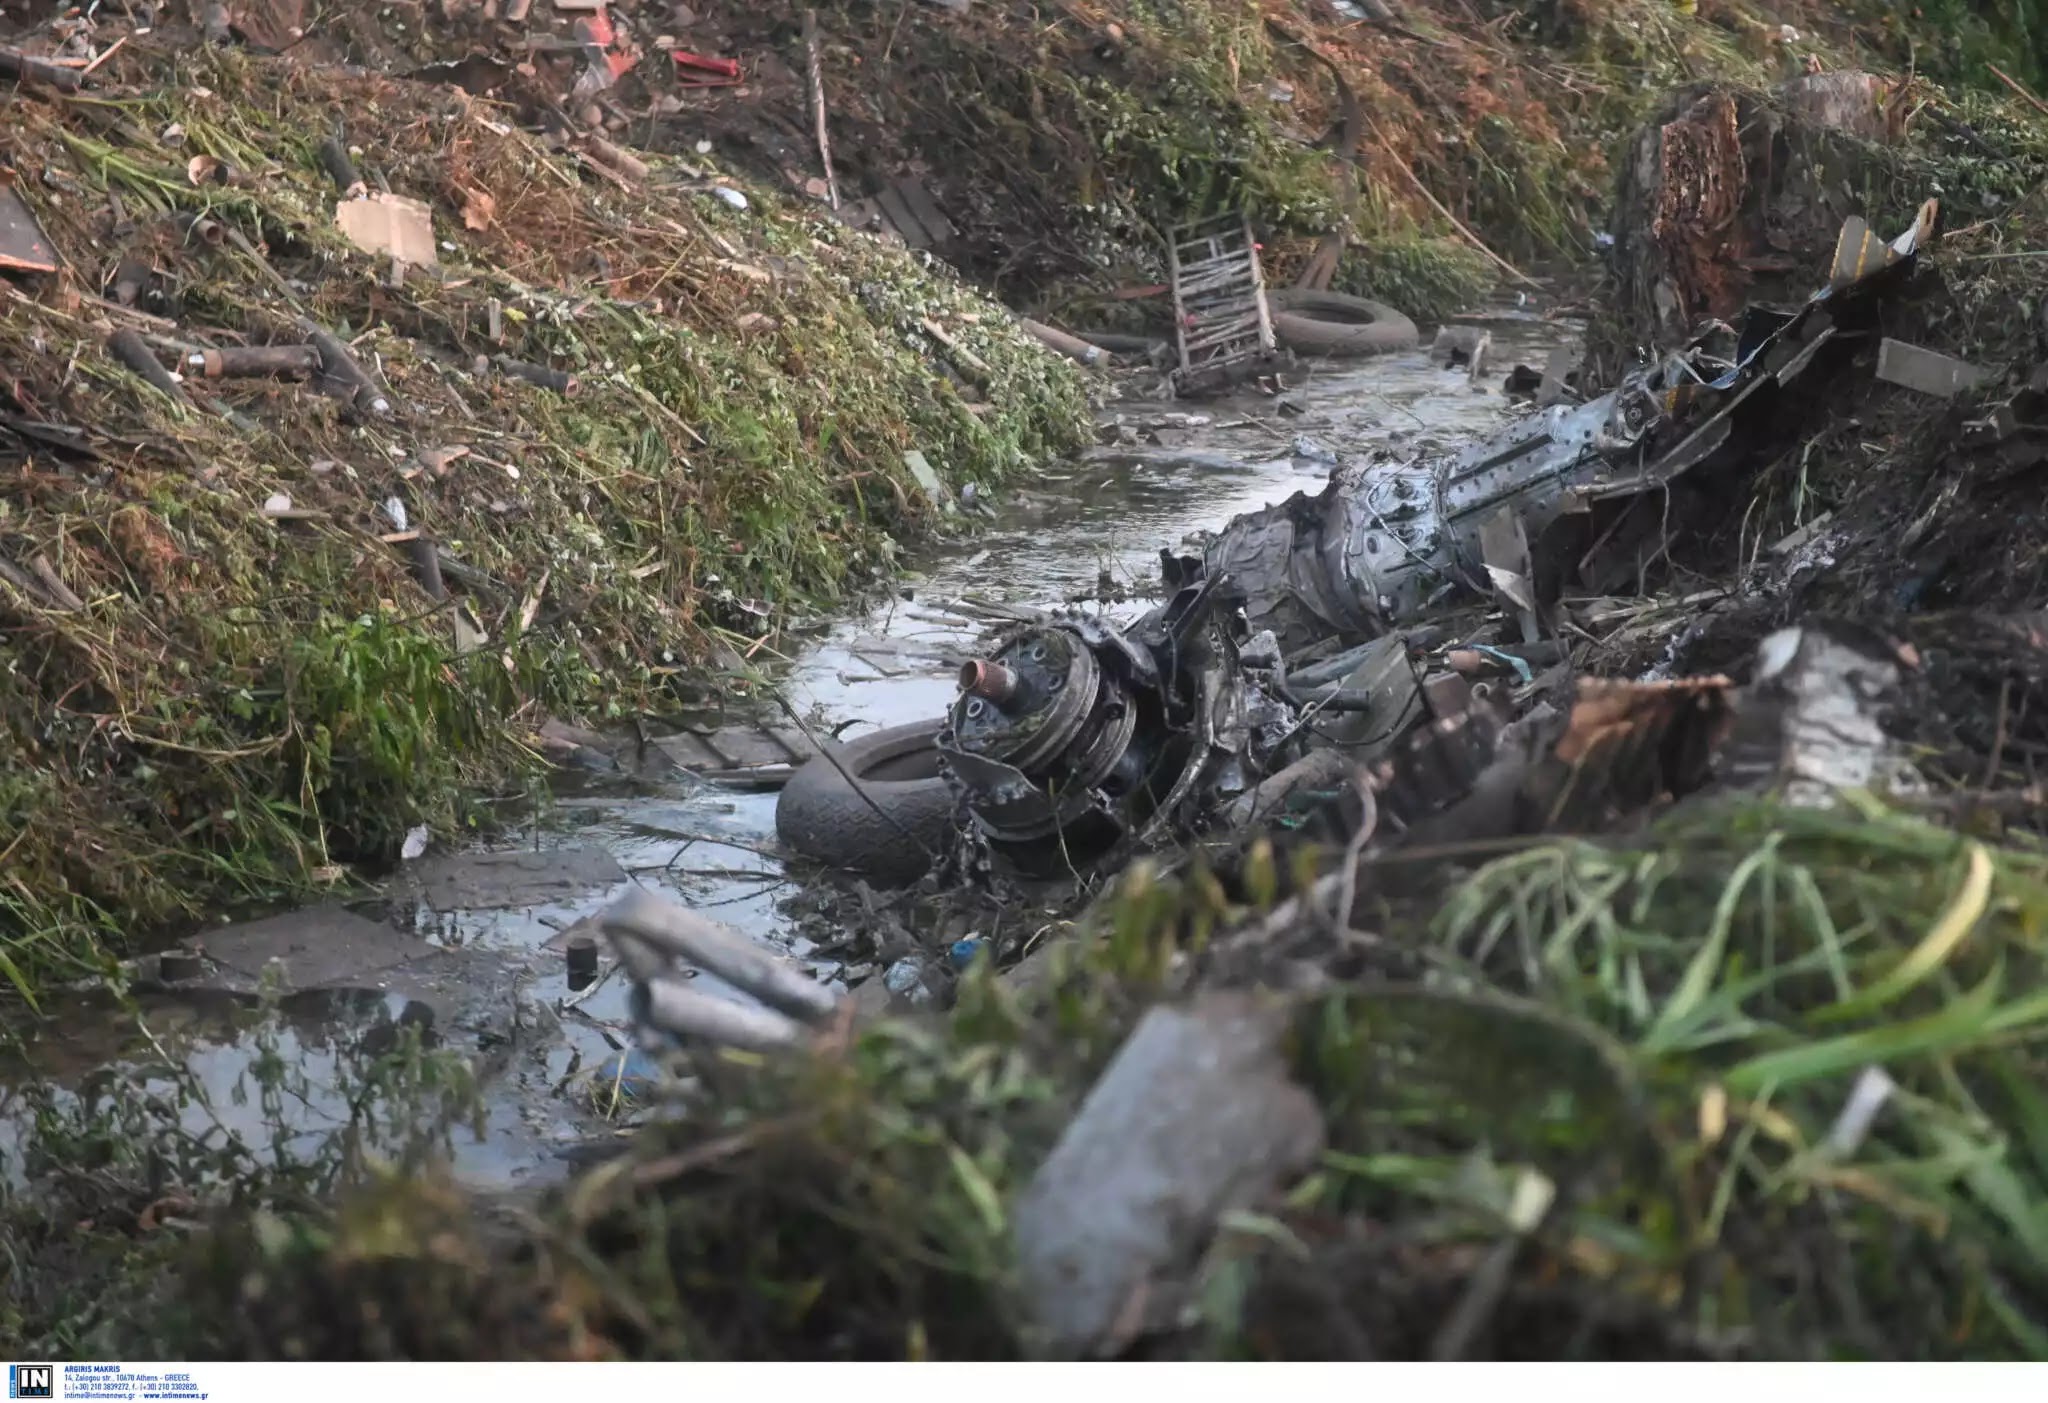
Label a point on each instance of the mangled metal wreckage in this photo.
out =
(1076, 743)
(1387, 540)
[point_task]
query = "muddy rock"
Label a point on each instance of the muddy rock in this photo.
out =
(505, 880)
(1195, 1116)
(317, 947)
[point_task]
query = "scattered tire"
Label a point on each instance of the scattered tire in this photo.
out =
(1334, 324)
(823, 817)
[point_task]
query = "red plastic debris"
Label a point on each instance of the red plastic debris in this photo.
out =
(725, 67)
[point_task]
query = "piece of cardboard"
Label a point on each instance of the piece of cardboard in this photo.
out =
(389, 224)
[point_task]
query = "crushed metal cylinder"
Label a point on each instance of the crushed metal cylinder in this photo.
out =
(1078, 739)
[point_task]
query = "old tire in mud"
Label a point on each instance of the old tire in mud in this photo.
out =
(822, 816)
(1333, 324)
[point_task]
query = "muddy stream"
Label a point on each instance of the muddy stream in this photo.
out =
(467, 944)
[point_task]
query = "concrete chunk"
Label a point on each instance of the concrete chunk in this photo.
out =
(314, 947)
(1194, 1117)
(1929, 372)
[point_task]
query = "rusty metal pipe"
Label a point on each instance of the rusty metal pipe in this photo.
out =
(986, 679)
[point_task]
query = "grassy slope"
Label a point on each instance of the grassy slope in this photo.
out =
(1102, 124)
(243, 704)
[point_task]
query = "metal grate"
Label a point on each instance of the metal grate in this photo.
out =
(1222, 326)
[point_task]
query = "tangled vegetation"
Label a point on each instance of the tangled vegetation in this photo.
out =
(1608, 1100)
(1483, 133)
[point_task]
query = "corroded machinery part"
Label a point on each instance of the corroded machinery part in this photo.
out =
(1078, 737)
(1041, 735)
(1386, 539)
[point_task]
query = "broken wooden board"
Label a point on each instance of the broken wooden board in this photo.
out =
(902, 209)
(389, 224)
(24, 247)
(725, 749)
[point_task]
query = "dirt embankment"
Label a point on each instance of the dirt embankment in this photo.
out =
(256, 626)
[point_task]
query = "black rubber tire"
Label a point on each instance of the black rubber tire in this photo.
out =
(1334, 324)
(821, 816)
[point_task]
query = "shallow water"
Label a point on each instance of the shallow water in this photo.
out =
(1173, 469)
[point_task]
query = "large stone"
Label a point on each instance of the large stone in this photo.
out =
(1194, 1117)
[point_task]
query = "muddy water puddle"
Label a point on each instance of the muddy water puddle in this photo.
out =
(482, 960)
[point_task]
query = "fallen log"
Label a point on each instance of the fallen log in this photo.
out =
(617, 157)
(54, 584)
(964, 358)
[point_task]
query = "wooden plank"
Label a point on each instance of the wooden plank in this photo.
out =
(899, 215)
(1224, 304)
(1237, 280)
(914, 195)
(1245, 328)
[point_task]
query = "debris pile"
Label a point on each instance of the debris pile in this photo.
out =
(1388, 541)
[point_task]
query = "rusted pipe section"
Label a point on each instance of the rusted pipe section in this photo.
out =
(27, 69)
(254, 360)
(992, 681)
(198, 226)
